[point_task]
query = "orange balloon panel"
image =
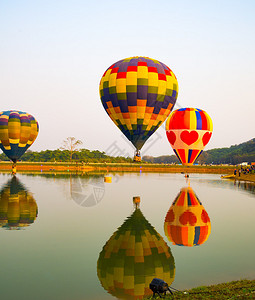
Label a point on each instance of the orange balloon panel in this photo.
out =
(187, 222)
(188, 131)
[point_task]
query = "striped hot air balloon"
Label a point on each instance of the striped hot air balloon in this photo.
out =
(133, 256)
(138, 93)
(18, 131)
(187, 222)
(188, 131)
(18, 208)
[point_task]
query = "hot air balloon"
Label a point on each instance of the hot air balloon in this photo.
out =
(187, 222)
(138, 93)
(132, 257)
(18, 131)
(18, 208)
(188, 131)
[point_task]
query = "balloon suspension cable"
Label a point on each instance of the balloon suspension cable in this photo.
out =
(186, 174)
(137, 152)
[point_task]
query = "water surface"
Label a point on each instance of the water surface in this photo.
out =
(52, 239)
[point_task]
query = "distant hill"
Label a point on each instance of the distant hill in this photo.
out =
(164, 159)
(235, 154)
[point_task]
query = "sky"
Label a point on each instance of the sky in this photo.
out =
(54, 53)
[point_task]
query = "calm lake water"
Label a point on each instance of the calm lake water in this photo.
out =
(55, 227)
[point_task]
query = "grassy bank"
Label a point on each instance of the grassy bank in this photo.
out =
(242, 289)
(114, 167)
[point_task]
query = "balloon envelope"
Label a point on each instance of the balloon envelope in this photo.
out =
(138, 94)
(18, 131)
(188, 131)
(187, 222)
(132, 257)
(18, 208)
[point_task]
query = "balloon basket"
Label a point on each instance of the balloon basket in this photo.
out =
(137, 158)
(136, 201)
(107, 179)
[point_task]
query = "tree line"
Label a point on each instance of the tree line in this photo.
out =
(81, 155)
(68, 152)
(235, 154)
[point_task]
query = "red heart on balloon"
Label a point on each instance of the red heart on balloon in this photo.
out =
(188, 217)
(204, 216)
(206, 137)
(189, 137)
(171, 137)
(170, 216)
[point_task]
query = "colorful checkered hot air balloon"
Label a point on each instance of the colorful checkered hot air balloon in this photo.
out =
(188, 131)
(133, 256)
(187, 222)
(138, 93)
(18, 208)
(18, 131)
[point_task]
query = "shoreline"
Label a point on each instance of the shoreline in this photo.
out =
(242, 177)
(113, 167)
(226, 172)
(240, 289)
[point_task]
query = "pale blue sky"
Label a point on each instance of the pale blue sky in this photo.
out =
(53, 54)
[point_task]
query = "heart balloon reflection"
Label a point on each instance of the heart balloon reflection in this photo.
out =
(187, 222)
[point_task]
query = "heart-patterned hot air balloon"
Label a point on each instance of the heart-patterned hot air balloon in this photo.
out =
(188, 131)
(187, 222)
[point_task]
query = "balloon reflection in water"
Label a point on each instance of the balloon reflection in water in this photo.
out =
(18, 208)
(187, 222)
(132, 257)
